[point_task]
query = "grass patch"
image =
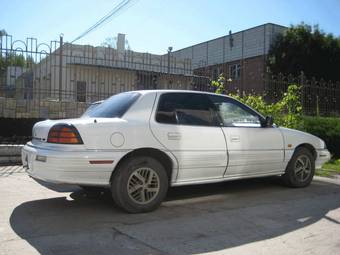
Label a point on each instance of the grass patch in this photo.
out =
(324, 173)
(333, 164)
(330, 168)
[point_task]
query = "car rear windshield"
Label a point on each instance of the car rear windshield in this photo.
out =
(114, 106)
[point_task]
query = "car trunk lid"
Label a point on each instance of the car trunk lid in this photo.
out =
(41, 129)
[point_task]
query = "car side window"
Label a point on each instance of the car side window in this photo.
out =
(234, 114)
(186, 109)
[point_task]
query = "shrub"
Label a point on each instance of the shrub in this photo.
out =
(287, 111)
(328, 129)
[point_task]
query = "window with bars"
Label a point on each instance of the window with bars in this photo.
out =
(235, 71)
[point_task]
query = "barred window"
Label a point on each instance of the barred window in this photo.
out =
(235, 71)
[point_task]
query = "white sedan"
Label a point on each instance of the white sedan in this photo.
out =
(138, 143)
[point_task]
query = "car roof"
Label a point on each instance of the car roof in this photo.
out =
(97, 102)
(162, 91)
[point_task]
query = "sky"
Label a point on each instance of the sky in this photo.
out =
(154, 25)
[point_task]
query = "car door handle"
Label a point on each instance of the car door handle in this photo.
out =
(174, 136)
(235, 138)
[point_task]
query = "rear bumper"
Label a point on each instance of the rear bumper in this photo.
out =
(322, 157)
(70, 167)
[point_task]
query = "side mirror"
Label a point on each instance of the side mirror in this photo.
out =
(268, 121)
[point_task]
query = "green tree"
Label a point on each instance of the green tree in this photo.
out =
(111, 42)
(12, 59)
(3, 32)
(308, 49)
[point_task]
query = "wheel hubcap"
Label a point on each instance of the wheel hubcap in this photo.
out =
(143, 185)
(303, 168)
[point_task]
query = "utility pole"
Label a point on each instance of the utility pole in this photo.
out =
(169, 52)
(60, 66)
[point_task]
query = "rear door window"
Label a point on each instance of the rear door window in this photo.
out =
(186, 109)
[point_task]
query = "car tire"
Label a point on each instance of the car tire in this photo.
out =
(139, 184)
(300, 170)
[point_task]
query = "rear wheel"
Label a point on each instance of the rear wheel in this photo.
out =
(300, 170)
(139, 185)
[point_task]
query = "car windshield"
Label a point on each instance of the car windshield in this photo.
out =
(114, 106)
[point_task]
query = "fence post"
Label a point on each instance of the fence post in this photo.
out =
(317, 106)
(302, 86)
(60, 67)
(265, 79)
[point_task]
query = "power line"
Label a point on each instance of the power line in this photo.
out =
(117, 8)
(114, 12)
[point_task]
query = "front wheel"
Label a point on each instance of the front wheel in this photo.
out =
(139, 185)
(300, 170)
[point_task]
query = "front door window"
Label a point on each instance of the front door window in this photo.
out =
(235, 114)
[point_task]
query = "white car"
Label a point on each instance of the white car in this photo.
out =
(138, 143)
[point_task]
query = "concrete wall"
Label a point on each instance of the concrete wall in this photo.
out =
(10, 154)
(23, 108)
(104, 70)
(13, 72)
(101, 83)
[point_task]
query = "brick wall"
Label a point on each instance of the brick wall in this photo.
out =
(251, 78)
(253, 71)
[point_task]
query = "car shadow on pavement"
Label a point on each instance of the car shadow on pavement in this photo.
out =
(193, 219)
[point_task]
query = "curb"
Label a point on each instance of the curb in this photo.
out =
(10, 153)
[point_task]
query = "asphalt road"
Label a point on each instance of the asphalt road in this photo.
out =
(241, 217)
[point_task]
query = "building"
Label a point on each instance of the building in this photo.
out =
(84, 73)
(62, 81)
(13, 72)
(239, 56)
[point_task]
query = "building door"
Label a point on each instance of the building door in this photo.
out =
(81, 91)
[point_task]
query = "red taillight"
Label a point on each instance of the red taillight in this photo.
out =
(64, 133)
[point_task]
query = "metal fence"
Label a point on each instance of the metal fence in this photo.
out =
(318, 97)
(60, 80)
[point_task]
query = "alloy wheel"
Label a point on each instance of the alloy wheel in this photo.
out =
(303, 168)
(143, 185)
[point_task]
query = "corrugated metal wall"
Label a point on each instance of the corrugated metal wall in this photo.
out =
(245, 44)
